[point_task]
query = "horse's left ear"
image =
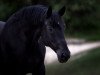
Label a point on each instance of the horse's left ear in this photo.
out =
(49, 12)
(62, 11)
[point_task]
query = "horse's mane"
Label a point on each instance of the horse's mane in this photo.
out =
(27, 18)
(33, 14)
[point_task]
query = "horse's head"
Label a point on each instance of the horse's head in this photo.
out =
(53, 34)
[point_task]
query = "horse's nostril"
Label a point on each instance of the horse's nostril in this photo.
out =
(64, 55)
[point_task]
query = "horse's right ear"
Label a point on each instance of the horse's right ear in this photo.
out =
(49, 12)
(62, 11)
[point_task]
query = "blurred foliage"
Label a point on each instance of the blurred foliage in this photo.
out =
(82, 16)
(86, 63)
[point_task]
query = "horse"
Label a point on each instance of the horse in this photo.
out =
(24, 37)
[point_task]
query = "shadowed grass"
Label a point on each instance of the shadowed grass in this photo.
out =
(88, 64)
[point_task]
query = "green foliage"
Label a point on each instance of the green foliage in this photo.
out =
(88, 64)
(83, 18)
(83, 15)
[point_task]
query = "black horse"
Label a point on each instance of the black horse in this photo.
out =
(24, 37)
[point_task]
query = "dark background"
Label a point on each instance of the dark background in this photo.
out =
(82, 17)
(82, 20)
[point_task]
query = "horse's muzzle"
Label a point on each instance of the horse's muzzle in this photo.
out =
(63, 56)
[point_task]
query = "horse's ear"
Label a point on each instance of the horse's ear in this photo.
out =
(49, 12)
(62, 11)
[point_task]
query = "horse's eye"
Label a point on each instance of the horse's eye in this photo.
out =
(58, 23)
